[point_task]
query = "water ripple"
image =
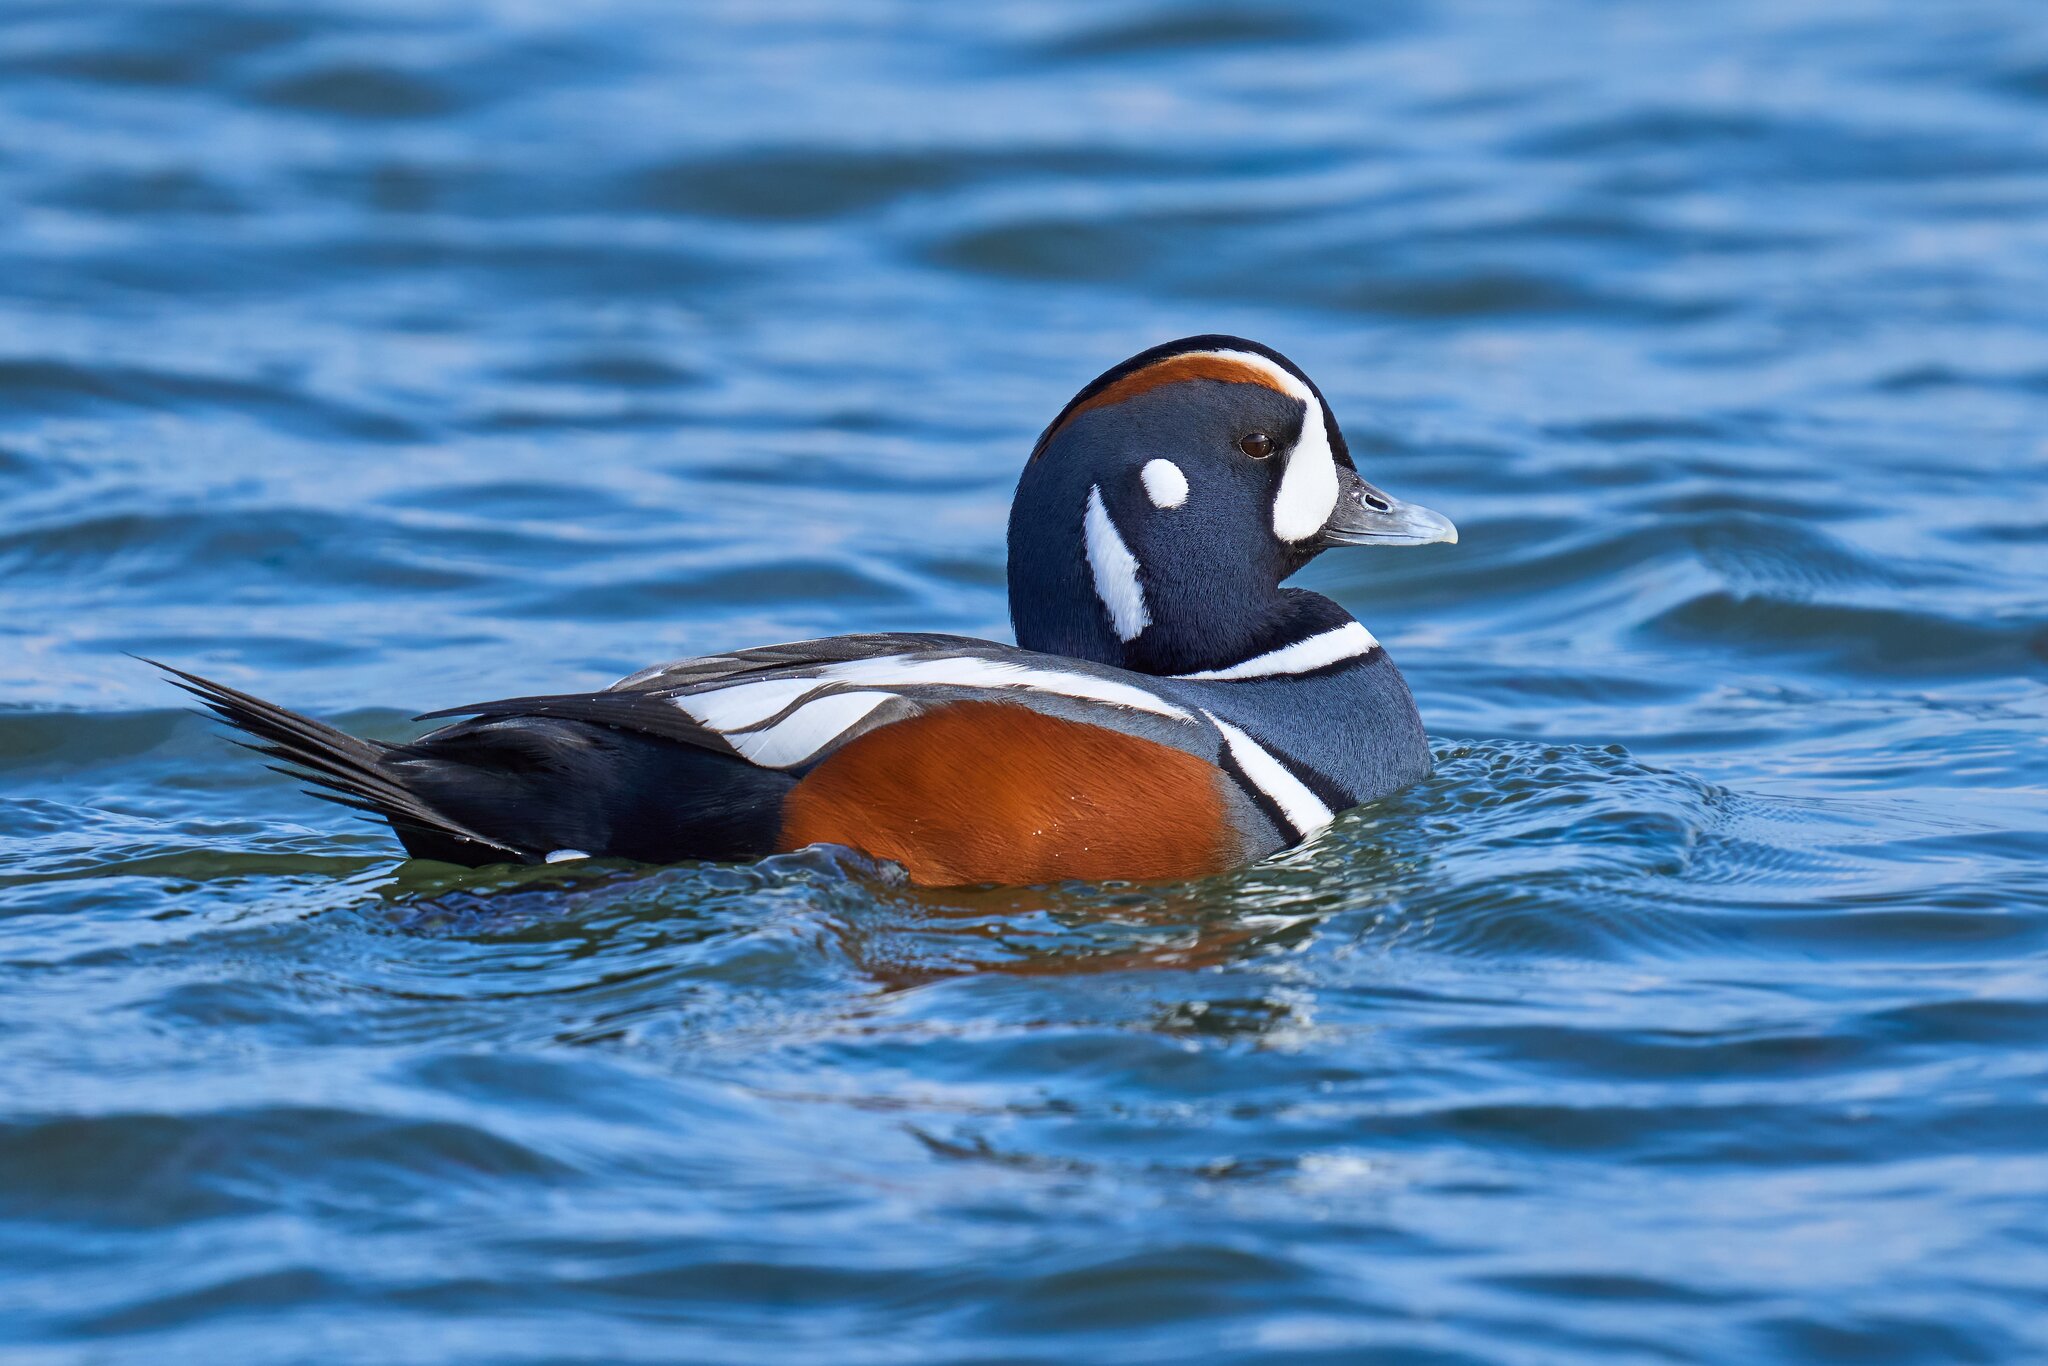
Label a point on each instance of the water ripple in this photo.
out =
(381, 357)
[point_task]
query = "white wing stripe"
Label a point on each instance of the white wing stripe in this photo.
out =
(744, 704)
(1313, 652)
(969, 671)
(1303, 809)
(808, 729)
(738, 711)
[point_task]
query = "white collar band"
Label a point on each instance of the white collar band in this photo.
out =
(1304, 656)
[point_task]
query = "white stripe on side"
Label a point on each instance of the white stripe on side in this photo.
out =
(566, 856)
(808, 729)
(731, 710)
(1303, 809)
(1304, 656)
(1115, 570)
(964, 671)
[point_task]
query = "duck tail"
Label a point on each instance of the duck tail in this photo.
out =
(344, 770)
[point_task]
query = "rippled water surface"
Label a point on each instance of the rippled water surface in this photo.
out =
(381, 356)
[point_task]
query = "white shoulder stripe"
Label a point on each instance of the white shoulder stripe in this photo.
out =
(1115, 570)
(1313, 652)
(1303, 809)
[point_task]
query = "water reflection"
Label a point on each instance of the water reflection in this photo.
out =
(915, 937)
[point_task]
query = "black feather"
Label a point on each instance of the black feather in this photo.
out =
(353, 772)
(622, 775)
(645, 713)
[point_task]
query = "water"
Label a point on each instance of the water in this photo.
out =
(385, 356)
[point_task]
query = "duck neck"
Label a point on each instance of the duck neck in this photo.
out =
(1198, 635)
(1095, 575)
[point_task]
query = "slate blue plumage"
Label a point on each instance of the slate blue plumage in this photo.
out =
(1151, 531)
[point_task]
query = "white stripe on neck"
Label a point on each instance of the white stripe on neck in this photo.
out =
(1115, 570)
(1313, 652)
(1303, 809)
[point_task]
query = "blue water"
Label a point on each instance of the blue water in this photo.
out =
(380, 356)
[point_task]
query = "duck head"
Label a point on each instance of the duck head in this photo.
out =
(1162, 509)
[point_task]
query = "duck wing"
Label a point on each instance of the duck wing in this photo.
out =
(788, 707)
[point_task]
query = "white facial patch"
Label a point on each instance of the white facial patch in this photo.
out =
(1165, 485)
(1116, 570)
(1308, 486)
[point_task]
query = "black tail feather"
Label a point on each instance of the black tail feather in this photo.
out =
(345, 770)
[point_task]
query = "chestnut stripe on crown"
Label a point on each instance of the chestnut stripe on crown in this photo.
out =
(1240, 368)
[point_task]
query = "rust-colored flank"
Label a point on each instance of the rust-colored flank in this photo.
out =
(1172, 370)
(995, 792)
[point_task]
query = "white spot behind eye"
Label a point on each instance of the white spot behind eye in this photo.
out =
(1115, 570)
(1165, 485)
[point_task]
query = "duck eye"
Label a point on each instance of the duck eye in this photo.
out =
(1257, 445)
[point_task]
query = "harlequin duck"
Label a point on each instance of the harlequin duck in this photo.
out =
(1169, 709)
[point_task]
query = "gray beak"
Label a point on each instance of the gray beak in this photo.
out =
(1365, 516)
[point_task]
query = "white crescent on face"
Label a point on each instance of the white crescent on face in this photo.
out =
(1308, 486)
(1115, 570)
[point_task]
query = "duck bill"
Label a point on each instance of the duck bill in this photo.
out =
(1366, 516)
